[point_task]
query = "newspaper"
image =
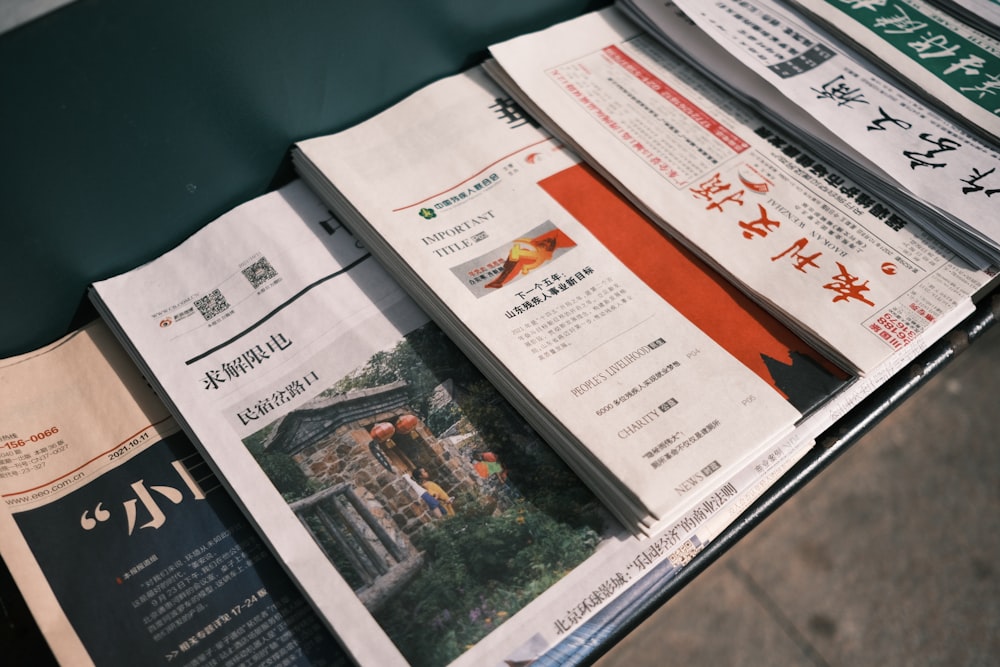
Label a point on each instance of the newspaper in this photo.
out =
(984, 14)
(316, 388)
(398, 174)
(862, 116)
(842, 267)
(490, 235)
(123, 544)
(951, 62)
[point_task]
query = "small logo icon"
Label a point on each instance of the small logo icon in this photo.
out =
(166, 322)
(754, 180)
(427, 213)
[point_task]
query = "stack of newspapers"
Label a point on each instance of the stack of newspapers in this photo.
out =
(517, 203)
(800, 231)
(490, 223)
(508, 354)
(899, 94)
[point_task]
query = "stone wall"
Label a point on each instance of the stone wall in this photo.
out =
(345, 457)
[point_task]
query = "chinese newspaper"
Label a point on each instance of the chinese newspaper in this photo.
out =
(489, 234)
(955, 64)
(122, 542)
(843, 268)
(421, 516)
(984, 14)
(913, 151)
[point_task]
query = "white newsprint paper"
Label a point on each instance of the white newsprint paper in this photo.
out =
(983, 14)
(951, 62)
(473, 208)
(122, 542)
(421, 516)
(916, 149)
(842, 267)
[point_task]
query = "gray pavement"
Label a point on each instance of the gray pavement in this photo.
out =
(889, 557)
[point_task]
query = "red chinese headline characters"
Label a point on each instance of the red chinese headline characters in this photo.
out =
(721, 197)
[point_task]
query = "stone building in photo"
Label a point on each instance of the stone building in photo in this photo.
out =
(361, 448)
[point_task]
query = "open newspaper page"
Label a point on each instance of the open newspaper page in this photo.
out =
(422, 517)
(905, 148)
(611, 372)
(122, 542)
(951, 62)
(840, 266)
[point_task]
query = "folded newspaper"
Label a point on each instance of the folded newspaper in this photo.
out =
(984, 14)
(850, 114)
(484, 218)
(954, 64)
(844, 269)
(421, 516)
(123, 544)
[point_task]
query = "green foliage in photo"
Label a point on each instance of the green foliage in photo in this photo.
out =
(480, 571)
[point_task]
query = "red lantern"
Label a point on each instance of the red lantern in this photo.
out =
(406, 423)
(382, 431)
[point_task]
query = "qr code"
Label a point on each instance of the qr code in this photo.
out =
(259, 272)
(212, 304)
(684, 553)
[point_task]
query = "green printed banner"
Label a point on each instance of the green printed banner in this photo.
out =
(962, 65)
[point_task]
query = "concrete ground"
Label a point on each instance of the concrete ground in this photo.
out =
(889, 557)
